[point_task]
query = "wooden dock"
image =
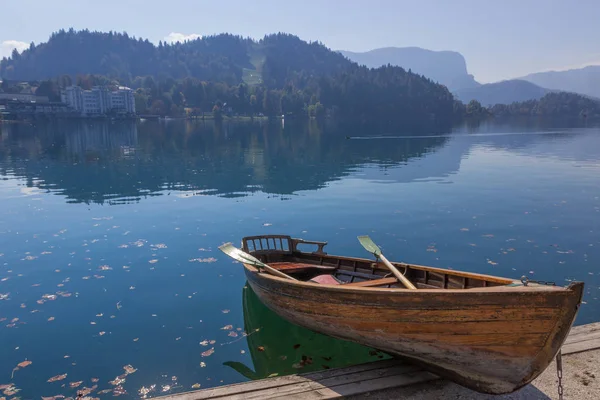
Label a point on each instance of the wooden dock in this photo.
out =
(359, 379)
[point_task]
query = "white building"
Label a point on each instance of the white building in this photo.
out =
(99, 100)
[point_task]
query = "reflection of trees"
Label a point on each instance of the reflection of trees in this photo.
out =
(102, 161)
(280, 347)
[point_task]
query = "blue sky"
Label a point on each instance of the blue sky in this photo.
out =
(499, 39)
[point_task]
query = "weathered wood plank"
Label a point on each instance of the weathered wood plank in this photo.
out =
(263, 384)
(583, 332)
(357, 379)
(355, 388)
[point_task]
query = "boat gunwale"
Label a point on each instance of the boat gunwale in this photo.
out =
(358, 289)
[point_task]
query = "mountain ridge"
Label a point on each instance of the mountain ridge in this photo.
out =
(584, 80)
(452, 73)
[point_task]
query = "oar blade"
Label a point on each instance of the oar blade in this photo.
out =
(240, 256)
(369, 245)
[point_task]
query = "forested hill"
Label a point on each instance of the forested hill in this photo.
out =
(277, 74)
(118, 55)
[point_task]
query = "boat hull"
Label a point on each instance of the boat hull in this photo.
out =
(492, 340)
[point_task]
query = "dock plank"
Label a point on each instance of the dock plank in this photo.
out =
(358, 379)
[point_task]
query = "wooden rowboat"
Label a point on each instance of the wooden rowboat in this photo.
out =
(490, 334)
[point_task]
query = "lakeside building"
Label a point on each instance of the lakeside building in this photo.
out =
(99, 100)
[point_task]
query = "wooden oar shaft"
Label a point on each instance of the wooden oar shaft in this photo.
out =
(277, 273)
(397, 273)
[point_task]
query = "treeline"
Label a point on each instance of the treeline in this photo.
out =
(120, 56)
(279, 74)
(555, 104)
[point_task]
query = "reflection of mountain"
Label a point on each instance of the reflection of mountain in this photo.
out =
(100, 161)
(279, 347)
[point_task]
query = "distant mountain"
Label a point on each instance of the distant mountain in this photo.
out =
(505, 92)
(583, 81)
(446, 67)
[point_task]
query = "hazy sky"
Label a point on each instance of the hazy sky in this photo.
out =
(499, 39)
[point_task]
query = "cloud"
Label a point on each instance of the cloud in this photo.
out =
(175, 37)
(7, 47)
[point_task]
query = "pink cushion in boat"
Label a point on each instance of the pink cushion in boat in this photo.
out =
(325, 279)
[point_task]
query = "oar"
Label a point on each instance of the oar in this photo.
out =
(372, 248)
(246, 258)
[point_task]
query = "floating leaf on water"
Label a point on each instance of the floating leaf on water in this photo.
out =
(118, 391)
(143, 392)
(75, 384)
(129, 369)
(227, 327)
(203, 260)
(196, 386)
(208, 352)
(118, 380)
(86, 390)
(57, 378)
(24, 364)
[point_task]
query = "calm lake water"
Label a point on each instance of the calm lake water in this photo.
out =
(109, 235)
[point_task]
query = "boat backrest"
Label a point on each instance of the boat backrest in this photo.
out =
(278, 244)
(281, 244)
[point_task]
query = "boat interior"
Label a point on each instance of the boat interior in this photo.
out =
(287, 255)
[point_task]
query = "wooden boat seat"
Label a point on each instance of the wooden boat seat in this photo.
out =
(292, 267)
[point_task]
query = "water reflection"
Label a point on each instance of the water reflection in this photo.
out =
(278, 347)
(122, 162)
(110, 162)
